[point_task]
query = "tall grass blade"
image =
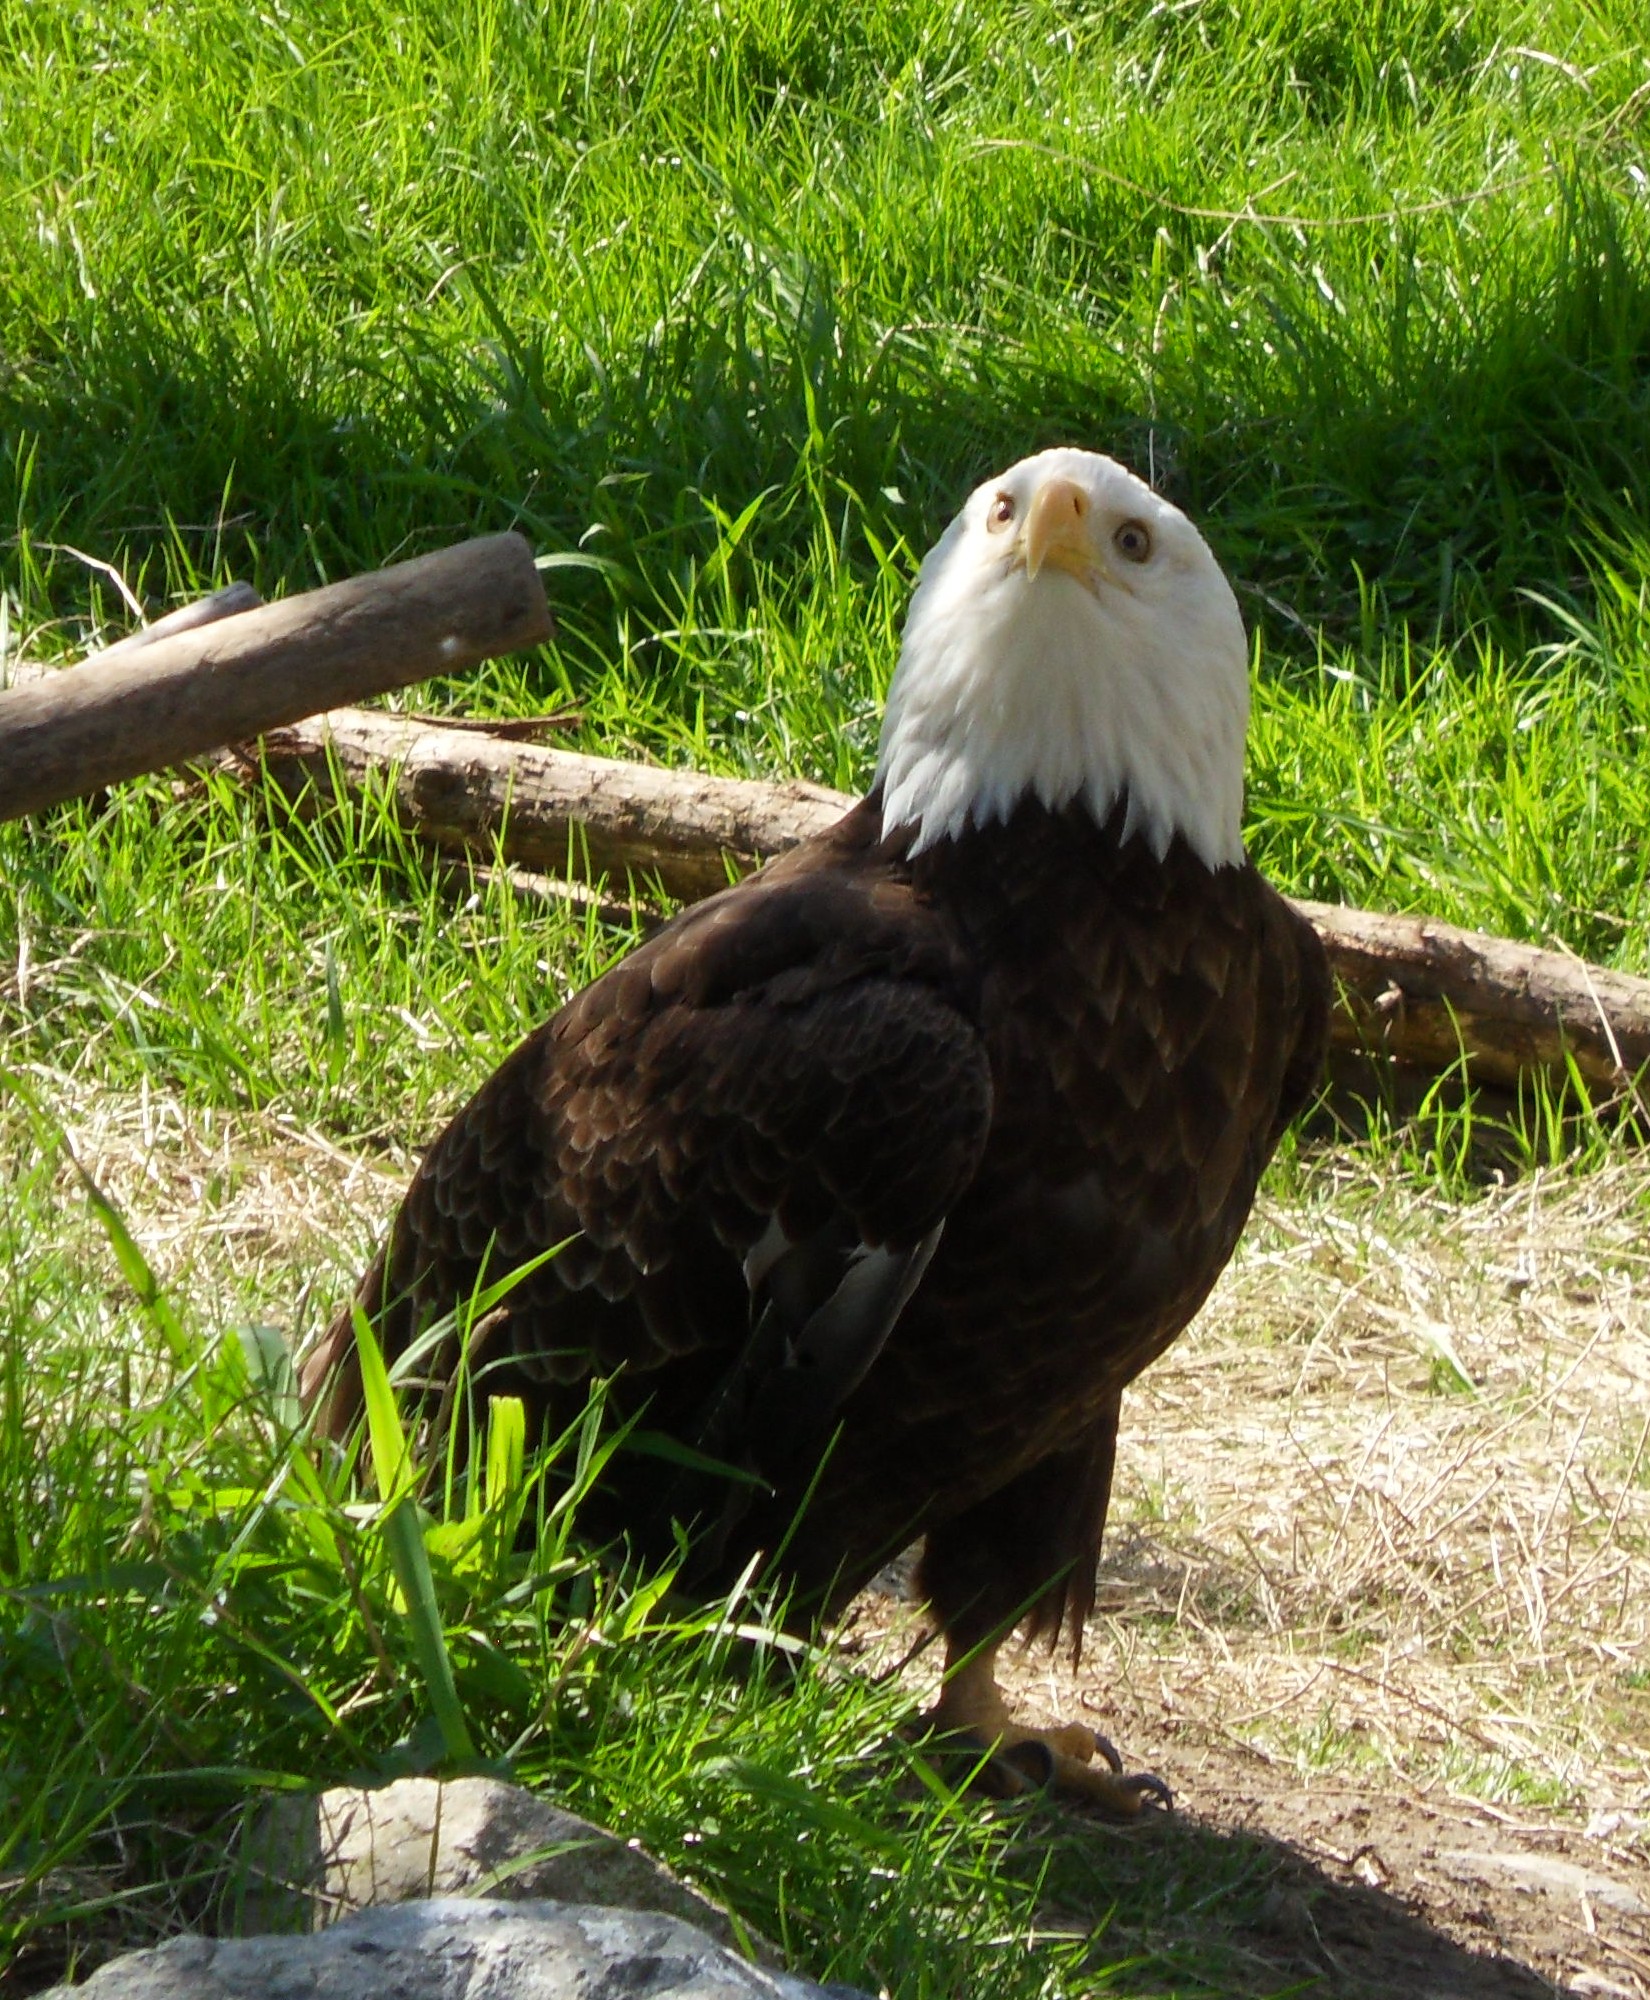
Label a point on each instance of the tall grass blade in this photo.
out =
(395, 1474)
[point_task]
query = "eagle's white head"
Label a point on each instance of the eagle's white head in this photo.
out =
(1070, 636)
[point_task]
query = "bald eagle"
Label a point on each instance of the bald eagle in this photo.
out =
(881, 1173)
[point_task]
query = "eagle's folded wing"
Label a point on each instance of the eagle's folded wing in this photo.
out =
(747, 1137)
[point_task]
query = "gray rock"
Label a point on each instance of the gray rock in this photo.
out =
(312, 1859)
(455, 1948)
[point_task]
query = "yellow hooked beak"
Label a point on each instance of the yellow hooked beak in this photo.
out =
(1056, 530)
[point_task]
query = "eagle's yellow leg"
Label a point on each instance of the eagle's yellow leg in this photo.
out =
(1060, 1759)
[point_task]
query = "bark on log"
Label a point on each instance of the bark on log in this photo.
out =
(229, 602)
(1418, 992)
(1424, 992)
(166, 698)
(559, 811)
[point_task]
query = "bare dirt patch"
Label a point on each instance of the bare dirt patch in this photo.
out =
(1376, 1590)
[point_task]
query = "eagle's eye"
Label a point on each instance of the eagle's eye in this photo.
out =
(1000, 514)
(1133, 542)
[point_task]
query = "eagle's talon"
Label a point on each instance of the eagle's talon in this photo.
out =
(1072, 1739)
(1122, 1795)
(984, 1762)
(1016, 1770)
(1067, 1760)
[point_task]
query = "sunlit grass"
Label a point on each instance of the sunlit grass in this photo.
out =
(325, 966)
(292, 292)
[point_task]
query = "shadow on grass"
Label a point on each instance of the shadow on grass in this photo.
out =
(1405, 464)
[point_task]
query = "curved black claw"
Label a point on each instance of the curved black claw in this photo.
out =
(1149, 1785)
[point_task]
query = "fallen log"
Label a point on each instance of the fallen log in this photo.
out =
(202, 679)
(1429, 994)
(556, 810)
(1417, 992)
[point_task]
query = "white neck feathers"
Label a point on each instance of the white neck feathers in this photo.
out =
(1098, 677)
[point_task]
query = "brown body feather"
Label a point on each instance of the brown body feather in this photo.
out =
(1069, 1057)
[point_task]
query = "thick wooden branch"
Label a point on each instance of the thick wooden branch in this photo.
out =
(1419, 992)
(229, 602)
(179, 692)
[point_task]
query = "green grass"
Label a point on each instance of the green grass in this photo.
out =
(738, 303)
(288, 292)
